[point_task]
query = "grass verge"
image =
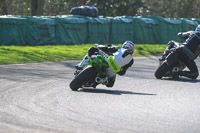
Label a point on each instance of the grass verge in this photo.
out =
(51, 53)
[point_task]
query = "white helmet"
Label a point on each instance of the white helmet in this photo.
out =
(197, 28)
(129, 45)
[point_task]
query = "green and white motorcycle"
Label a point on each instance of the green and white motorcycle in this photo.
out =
(94, 72)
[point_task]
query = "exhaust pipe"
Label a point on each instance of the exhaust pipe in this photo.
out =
(98, 80)
(101, 80)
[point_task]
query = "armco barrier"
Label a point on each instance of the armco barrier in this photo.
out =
(75, 29)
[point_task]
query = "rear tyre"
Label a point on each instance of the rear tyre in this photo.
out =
(162, 70)
(87, 74)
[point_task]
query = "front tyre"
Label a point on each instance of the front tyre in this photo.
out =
(162, 70)
(87, 74)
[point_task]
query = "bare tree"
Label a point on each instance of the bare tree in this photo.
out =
(3, 7)
(37, 7)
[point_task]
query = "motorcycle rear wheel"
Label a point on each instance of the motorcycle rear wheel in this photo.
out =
(87, 74)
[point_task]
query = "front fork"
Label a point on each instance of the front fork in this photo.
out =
(172, 59)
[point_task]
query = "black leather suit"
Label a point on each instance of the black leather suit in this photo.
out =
(189, 50)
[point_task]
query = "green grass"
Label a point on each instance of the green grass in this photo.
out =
(51, 53)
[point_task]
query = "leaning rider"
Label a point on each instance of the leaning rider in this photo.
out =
(189, 50)
(123, 57)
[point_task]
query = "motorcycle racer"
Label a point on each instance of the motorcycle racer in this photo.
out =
(123, 59)
(189, 51)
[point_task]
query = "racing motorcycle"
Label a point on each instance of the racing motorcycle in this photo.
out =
(93, 73)
(170, 64)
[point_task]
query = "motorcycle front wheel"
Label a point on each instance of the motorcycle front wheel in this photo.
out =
(87, 74)
(162, 70)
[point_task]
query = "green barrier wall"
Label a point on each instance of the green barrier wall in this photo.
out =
(75, 29)
(13, 31)
(71, 30)
(189, 24)
(40, 31)
(98, 30)
(146, 30)
(121, 29)
(167, 28)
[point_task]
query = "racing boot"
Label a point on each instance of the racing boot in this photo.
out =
(83, 63)
(111, 81)
(192, 75)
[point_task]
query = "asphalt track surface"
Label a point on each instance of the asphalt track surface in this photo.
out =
(36, 98)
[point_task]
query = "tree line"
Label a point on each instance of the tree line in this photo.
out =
(111, 8)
